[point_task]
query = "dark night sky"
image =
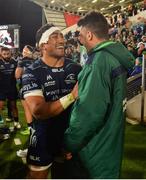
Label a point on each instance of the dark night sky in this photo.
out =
(24, 13)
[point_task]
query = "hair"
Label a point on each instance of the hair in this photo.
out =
(5, 49)
(96, 23)
(41, 31)
(130, 45)
(30, 48)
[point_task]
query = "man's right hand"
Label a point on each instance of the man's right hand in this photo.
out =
(68, 156)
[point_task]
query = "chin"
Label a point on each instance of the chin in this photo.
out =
(61, 55)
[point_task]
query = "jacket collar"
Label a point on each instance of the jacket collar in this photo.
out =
(100, 46)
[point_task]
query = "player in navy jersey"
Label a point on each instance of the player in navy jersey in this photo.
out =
(49, 88)
(8, 88)
(23, 63)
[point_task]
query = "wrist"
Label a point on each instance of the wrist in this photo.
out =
(67, 100)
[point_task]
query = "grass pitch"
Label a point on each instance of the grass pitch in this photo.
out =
(134, 160)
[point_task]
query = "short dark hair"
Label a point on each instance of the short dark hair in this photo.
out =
(95, 22)
(41, 31)
(5, 49)
(30, 48)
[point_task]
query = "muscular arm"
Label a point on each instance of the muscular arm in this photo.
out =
(42, 109)
(33, 93)
(18, 72)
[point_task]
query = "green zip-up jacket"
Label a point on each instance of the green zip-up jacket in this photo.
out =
(96, 128)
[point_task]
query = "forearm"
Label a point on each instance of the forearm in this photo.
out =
(18, 73)
(47, 109)
(41, 109)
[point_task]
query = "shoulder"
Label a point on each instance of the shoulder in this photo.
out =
(1, 61)
(13, 61)
(36, 65)
(34, 70)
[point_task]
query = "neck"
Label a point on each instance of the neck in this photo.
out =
(96, 42)
(53, 62)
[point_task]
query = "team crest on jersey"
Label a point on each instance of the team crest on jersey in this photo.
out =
(70, 79)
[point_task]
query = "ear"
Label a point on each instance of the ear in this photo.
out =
(89, 35)
(42, 47)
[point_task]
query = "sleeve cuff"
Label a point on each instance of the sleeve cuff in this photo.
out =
(34, 93)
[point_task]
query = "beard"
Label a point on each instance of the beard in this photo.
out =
(6, 59)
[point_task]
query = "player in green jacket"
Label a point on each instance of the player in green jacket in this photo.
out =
(96, 129)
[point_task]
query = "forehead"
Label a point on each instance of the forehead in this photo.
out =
(57, 32)
(5, 51)
(25, 49)
(82, 29)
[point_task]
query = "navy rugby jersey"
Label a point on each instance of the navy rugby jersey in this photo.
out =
(54, 82)
(25, 62)
(7, 74)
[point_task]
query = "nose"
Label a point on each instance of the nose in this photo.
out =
(61, 38)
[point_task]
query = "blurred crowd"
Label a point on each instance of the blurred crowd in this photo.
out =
(132, 36)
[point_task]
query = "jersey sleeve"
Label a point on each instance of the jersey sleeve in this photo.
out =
(87, 116)
(20, 63)
(30, 84)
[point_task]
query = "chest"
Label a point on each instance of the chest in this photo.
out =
(56, 83)
(7, 68)
(26, 63)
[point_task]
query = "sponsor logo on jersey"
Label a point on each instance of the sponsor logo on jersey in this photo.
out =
(57, 70)
(34, 158)
(66, 91)
(12, 66)
(70, 79)
(29, 86)
(49, 77)
(28, 75)
(2, 67)
(50, 82)
(55, 97)
(55, 92)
